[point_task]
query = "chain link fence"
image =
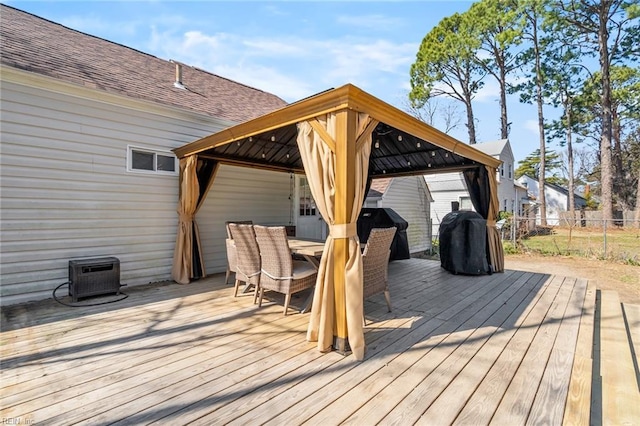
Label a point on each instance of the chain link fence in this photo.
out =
(614, 239)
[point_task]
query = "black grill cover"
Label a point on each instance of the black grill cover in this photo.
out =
(385, 218)
(463, 243)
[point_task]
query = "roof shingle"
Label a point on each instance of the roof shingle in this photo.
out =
(37, 45)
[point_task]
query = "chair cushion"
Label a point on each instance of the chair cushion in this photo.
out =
(302, 269)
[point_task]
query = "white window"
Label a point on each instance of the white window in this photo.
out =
(505, 204)
(465, 203)
(502, 170)
(510, 170)
(307, 203)
(144, 160)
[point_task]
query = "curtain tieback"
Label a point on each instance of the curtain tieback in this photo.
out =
(185, 217)
(343, 230)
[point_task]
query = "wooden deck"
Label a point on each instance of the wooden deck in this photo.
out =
(506, 349)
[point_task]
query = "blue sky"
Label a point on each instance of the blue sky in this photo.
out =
(292, 49)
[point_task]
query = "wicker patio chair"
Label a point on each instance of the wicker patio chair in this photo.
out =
(248, 257)
(375, 263)
(280, 272)
(231, 249)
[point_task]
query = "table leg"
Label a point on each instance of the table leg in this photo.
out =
(316, 264)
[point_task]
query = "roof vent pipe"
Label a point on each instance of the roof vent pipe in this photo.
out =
(178, 83)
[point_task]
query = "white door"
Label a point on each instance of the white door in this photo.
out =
(309, 223)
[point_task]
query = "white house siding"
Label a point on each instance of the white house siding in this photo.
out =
(409, 197)
(240, 193)
(444, 189)
(506, 190)
(556, 201)
(66, 193)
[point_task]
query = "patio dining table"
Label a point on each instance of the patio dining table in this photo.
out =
(311, 250)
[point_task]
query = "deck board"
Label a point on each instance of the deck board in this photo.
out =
(482, 405)
(619, 377)
(554, 386)
(453, 399)
(455, 350)
(577, 409)
(453, 342)
(516, 403)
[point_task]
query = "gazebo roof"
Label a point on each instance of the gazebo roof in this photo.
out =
(401, 144)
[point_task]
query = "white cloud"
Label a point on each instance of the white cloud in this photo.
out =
(291, 67)
(268, 79)
(277, 48)
(197, 40)
(489, 92)
(532, 126)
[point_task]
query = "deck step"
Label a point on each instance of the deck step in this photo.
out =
(620, 394)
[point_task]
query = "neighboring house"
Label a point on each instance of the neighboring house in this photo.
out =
(522, 200)
(556, 198)
(450, 187)
(87, 169)
(410, 198)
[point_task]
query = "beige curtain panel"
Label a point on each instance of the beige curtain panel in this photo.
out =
(320, 166)
(493, 236)
(188, 204)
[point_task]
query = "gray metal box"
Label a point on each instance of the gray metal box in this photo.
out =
(93, 277)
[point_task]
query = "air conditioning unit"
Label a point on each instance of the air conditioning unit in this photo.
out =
(94, 277)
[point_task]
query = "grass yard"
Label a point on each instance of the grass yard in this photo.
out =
(622, 244)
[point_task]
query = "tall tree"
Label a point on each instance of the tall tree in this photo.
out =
(445, 66)
(608, 27)
(533, 13)
(565, 75)
(498, 27)
(631, 164)
(625, 114)
(633, 143)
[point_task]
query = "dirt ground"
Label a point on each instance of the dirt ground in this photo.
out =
(625, 279)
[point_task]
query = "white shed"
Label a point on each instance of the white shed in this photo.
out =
(410, 198)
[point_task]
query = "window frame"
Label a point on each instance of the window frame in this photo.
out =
(465, 201)
(156, 152)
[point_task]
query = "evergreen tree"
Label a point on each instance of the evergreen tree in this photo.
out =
(531, 90)
(445, 66)
(497, 25)
(610, 28)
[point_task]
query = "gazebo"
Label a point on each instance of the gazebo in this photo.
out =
(341, 139)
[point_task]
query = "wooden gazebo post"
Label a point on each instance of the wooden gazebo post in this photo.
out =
(345, 193)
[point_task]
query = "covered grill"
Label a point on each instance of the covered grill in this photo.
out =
(385, 218)
(463, 243)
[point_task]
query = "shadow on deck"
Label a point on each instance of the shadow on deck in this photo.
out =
(507, 348)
